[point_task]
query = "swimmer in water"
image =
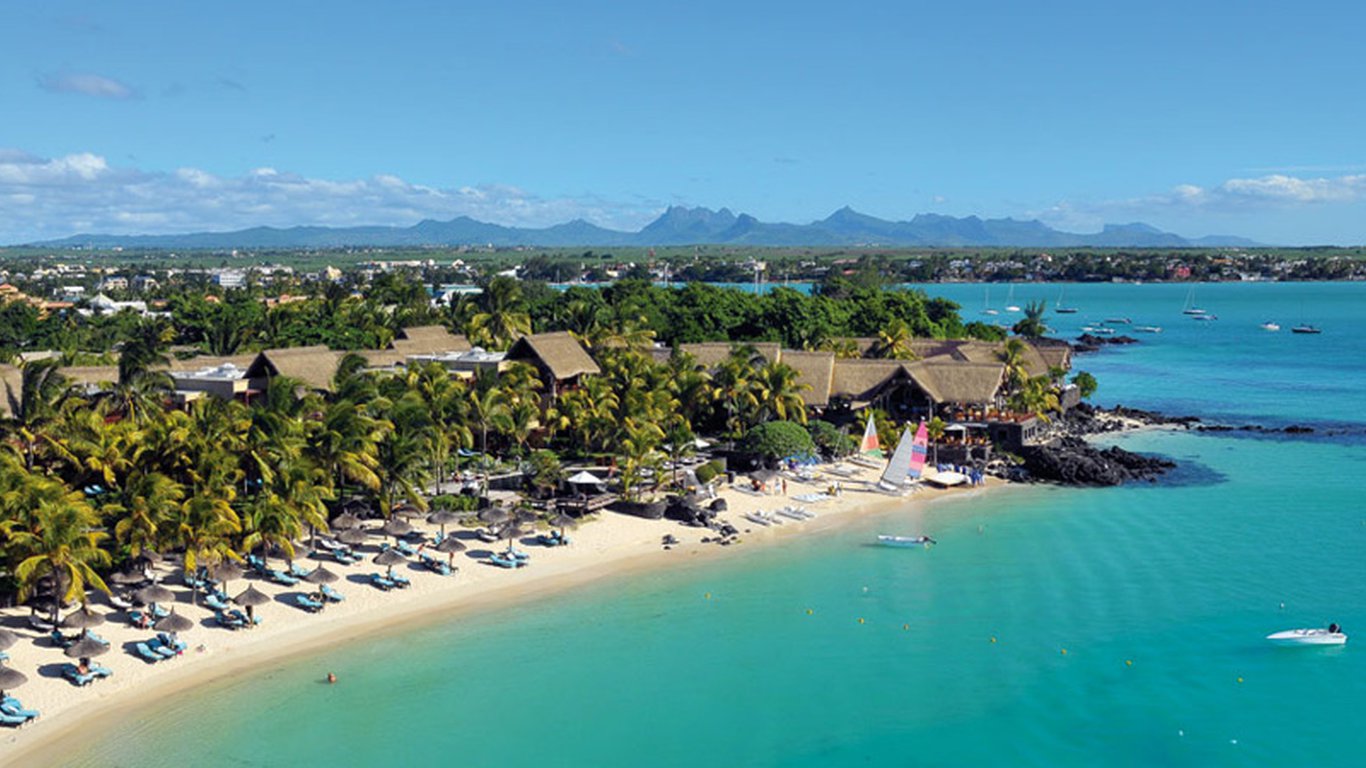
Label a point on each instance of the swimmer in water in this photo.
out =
(331, 678)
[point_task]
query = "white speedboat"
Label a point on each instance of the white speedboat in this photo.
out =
(1271, 326)
(1316, 636)
(905, 541)
(1148, 328)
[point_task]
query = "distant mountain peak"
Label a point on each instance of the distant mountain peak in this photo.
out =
(678, 225)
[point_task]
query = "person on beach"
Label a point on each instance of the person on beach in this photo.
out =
(1334, 628)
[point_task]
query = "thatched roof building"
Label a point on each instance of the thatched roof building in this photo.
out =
(559, 357)
(429, 340)
(313, 366)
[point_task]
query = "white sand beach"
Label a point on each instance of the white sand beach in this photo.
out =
(602, 548)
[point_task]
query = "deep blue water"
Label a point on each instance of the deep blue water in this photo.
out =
(1159, 594)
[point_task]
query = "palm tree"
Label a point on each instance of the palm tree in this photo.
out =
(203, 527)
(1032, 325)
(488, 410)
(141, 509)
(777, 393)
(42, 392)
(143, 381)
(62, 543)
(934, 429)
(734, 388)
(346, 443)
(844, 349)
(894, 341)
(402, 452)
(501, 319)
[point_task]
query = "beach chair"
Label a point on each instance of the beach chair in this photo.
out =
(517, 554)
(331, 594)
(280, 577)
(101, 671)
(504, 562)
(214, 602)
(378, 580)
(158, 611)
(148, 654)
(400, 581)
(12, 708)
(70, 672)
(174, 644)
(256, 564)
(39, 623)
(406, 548)
(161, 649)
(227, 620)
(307, 603)
(241, 618)
(13, 720)
(297, 571)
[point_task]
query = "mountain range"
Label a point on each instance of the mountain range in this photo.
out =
(678, 225)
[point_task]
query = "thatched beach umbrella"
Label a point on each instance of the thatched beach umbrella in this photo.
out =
(443, 518)
(353, 536)
(406, 511)
(390, 558)
(563, 521)
(450, 545)
(83, 619)
(226, 571)
(345, 521)
(7, 639)
(396, 528)
(173, 623)
(10, 678)
(512, 531)
(154, 593)
(321, 575)
(128, 577)
(524, 516)
(249, 599)
(495, 515)
(85, 648)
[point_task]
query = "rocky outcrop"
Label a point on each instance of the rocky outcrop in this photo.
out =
(1090, 342)
(1073, 461)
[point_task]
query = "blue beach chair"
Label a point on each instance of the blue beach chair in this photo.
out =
(307, 603)
(331, 594)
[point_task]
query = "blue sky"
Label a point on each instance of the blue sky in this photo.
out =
(1197, 117)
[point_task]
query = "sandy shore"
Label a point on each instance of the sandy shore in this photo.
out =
(606, 547)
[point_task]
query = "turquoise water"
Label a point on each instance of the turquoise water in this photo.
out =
(721, 664)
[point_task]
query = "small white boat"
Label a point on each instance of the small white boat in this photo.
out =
(1204, 316)
(1148, 328)
(1316, 636)
(1271, 326)
(905, 541)
(1305, 329)
(754, 518)
(1118, 320)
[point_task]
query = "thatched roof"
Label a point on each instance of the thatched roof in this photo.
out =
(383, 358)
(1055, 354)
(966, 383)
(710, 354)
(816, 370)
(314, 366)
(91, 375)
(859, 380)
(429, 340)
(559, 354)
(200, 362)
(11, 390)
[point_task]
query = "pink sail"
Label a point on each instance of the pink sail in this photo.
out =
(870, 443)
(919, 450)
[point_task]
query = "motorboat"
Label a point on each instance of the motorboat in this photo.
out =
(757, 519)
(905, 542)
(1315, 636)
(1204, 316)
(1271, 326)
(1148, 328)
(1118, 320)
(1305, 329)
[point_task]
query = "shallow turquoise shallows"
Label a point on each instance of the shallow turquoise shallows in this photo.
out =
(1160, 596)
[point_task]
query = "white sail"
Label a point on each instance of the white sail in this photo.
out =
(900, 465)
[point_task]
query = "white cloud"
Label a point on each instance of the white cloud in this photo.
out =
(82, 193)
(88, 84)
(1249, 196)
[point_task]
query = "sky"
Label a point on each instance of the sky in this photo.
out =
(1196, 117)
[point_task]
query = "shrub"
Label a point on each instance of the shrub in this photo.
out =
(779, 440)
(830, 439)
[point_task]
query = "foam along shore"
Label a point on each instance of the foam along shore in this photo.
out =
(608, 546)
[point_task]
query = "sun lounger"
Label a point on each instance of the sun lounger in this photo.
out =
(400, 580)
(517, 554)
(331, 594)
(486, 536)
(39, 623)
(214, 602)
(13, 720)
(99, 671)
(59, 640)
(148, 654)
(229, 620)
(12, 708)
(120, 601)
(378, 580)
(406, 548)
(70, 672)
(505, 562)
(280, 577)
(297, 571)
(158, 611)
(161, 649)
(174, 644)
(307, 603)
(256, 564)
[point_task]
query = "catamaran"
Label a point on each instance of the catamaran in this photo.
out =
(908, 460)
(1063, 310)
(986, 304)
(1011, 306)
(1190, 308)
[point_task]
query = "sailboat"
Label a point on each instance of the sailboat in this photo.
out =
(1190, 308)
(986, 304)
(869, 444)
(908, 460)
(1011, 306)
(1063, 310)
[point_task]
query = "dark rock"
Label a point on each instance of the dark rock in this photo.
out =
(1073, 461)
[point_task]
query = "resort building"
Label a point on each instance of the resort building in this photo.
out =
(559, 357)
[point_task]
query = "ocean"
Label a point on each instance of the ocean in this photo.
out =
(1049, 627)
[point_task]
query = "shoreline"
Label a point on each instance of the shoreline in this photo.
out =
(608, 548)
